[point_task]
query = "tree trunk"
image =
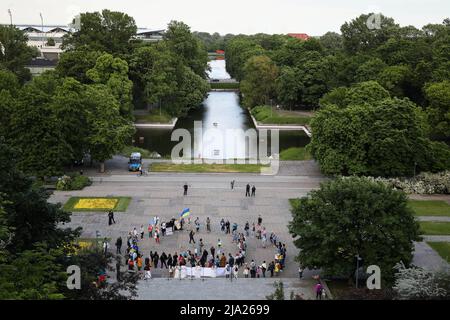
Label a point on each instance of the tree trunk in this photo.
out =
(102, 167)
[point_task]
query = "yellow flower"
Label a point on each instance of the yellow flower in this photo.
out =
(97, 203)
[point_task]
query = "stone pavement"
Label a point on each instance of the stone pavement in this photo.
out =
(427, 258)
(220, 289)
(209, 196)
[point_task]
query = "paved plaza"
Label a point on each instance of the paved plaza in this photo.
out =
(210, 196)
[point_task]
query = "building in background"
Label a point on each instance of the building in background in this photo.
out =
(149, 35)
(47, 38)
(301, 36)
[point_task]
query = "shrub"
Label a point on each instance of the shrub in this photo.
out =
(424, 183)
(72, 182)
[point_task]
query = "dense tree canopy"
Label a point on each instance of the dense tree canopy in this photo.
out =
(354, 216)
(108, 31)
(384, 138)
(14, 52)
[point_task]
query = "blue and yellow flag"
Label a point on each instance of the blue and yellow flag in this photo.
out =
(186, 212)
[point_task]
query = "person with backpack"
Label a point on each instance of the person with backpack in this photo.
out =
(271, 268)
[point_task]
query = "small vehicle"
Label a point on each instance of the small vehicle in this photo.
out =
(215, 80)
(135, 162)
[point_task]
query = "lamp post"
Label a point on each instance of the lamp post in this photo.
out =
(10, 16)
(358, 259)
(42, 28)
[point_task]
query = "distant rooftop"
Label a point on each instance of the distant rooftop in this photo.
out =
(302, 36)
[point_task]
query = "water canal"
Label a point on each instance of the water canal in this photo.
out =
(219, 113)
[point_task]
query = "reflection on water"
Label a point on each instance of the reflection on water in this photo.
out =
(218, 70)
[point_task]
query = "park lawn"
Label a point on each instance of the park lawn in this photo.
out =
(432, 228)
(430, 207)
(295, 154)
(153, 117)
(442, 248)
(264, 115)
(121, 204)
(203, 167)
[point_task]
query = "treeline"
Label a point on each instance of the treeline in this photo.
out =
(382, 95)
(215, 41)
(86, 104)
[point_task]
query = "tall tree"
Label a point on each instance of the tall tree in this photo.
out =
(108, 31)
(109, 132)
(15, 52)
(181, 41)
(350, 217)
(258, 85)
(438, 110)
(113, 72)
(367, 32)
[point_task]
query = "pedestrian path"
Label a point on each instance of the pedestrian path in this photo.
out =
(220, 288)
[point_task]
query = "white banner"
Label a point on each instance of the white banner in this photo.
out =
(199, 272)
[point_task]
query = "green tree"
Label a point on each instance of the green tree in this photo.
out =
(387, 138)
(113, 72)
(258, 85)
(76, 63)
(186, 45)
(438, 110)
(108, 31)
(14, 52)
(109, 132)
(396, 79)
(357, 36)
(332, 42)
(354, 216)
(36, 130)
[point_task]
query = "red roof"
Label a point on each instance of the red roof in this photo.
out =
(220, 51)
(302, 36)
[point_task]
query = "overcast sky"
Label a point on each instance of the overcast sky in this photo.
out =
(314, 17)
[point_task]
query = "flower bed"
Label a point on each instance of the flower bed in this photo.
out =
(97, 204)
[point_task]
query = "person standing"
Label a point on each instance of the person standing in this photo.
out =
(163, 259)
(300, 272)
(263, 269)
(150, 230)
(271, 268)
(155, 259)
(208, 224)
(109, 218)
(105, 246)
(197, 224)
(185, 188)
(119, 245)
(259, 220)
(247, 190)
(232, 184)
(191, 236)
(253, 191)
(319, 289)
(213, 251)
(142, 231)
(219, 246)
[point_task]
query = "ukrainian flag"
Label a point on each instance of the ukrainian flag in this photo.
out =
(186, 212)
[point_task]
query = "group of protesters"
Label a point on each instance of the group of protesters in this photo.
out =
(214, 257)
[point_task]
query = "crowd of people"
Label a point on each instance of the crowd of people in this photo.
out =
(212, 257)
